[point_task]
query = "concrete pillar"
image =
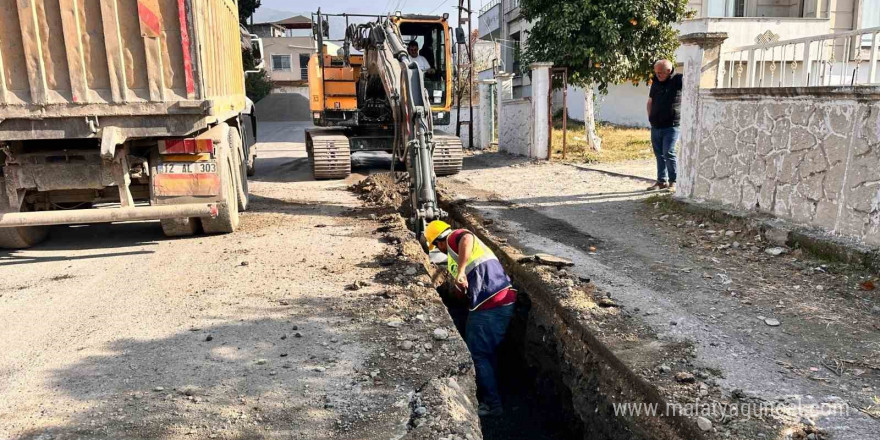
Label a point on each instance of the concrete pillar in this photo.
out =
(504, 82)
(487, 113)
(700, 71)
(504, 91)
(540, 142)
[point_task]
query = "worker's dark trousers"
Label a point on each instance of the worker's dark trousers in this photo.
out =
(485, 329)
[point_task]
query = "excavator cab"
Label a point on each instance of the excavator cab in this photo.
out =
(435, 46)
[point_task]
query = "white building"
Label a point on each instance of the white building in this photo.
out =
(501, 21)
(287, 47)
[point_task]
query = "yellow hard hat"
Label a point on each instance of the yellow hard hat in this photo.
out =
(435, 230)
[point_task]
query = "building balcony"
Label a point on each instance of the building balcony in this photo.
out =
(490, 20)
(511, 10)
(745, 31)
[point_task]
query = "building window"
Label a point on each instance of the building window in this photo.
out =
(516, 54)
(870, 18)
(303, 66)
(870, 13)
(726, 8)
(281, 62)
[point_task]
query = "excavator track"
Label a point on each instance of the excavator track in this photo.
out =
(329, 153)
(448, 154)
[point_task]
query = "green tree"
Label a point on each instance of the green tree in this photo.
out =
(257, 85)
(246, 8)
(247, 60)
(602, 42)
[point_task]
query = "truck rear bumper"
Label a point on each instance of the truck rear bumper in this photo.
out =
(108, 215)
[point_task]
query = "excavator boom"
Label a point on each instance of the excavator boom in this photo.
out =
(385, 55)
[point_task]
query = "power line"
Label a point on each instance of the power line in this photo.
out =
(438, 6)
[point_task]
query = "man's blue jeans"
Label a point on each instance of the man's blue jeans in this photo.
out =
(484, 331)
(664, 140)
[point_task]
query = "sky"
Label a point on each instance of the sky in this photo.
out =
(436, 7)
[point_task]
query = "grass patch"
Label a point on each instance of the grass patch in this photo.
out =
(661, 201)
(618, 143)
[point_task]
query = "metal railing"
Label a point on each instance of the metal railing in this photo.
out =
(841, 59)
(488, 6)
(511, 5)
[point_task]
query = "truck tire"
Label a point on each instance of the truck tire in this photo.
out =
(237, 148)
(252, 163)
(18, 237)
(227, 209)
(179, 227)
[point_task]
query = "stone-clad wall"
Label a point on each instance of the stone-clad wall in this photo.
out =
(809, 155)
(515, 127)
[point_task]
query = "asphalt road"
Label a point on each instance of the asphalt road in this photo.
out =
(115, 331)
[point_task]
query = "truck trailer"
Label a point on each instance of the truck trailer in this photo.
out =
(121, 110)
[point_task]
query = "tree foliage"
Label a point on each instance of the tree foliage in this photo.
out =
(246, 8)
(257, 85)
(247, 60)
(602, 42)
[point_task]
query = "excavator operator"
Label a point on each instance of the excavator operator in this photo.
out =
(413, 50)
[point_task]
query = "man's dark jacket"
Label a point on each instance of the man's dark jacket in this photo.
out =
(666, 101)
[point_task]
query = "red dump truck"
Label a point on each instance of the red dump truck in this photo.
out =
(120, 110)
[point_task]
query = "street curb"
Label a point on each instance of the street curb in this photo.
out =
(782, 233)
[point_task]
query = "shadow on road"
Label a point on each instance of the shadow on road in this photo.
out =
(287, 169)
(251, 377)
(88, 237)
(488, 160)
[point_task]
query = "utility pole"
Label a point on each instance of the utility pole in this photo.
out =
(470, 63)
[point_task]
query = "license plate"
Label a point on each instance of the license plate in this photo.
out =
(187, 167)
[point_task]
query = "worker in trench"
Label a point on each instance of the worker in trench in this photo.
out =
(480, 280)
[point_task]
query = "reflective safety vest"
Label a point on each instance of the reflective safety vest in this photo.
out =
(485, 275)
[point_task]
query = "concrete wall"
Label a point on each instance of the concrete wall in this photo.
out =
(623, 105)
(284, 104)
(465, 116)
(515, 127)
(809, 155)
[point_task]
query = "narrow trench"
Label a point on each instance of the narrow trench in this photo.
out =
(538, 405)
(534, 404)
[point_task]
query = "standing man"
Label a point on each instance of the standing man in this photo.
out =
(664, 113)
(479, 275)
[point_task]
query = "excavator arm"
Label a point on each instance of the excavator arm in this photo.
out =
(386, 58)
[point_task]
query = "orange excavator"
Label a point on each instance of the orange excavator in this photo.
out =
(385, 98)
